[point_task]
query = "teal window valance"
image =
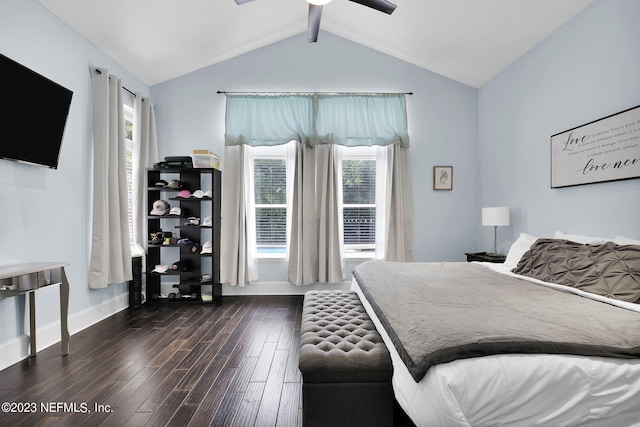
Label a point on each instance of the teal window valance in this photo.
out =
(316, 118)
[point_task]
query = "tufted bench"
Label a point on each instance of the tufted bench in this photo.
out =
(346, 367)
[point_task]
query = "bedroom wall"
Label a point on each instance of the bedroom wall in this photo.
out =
(586, 70)
(442, 118)
(44, 213)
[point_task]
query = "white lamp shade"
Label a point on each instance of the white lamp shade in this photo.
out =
(496, 216)
(318, 2)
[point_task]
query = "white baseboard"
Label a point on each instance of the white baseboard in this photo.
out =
(280, 288)
(14, 351)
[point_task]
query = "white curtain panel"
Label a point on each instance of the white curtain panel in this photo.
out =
(303, 237)
(238, 264)
(399, 239)
(331, 265)
(384, 177)
(315, 252)
(110, 248)
(145, 154)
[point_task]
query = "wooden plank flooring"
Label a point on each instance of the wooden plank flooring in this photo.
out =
(174, 365)
(168, 365)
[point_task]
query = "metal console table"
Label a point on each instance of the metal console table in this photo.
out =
(27, 278)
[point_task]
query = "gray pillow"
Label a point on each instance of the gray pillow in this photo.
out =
(606, 269)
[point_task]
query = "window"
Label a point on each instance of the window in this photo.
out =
(271, 167)
(270, 196)
(359, 201)
(128, 136)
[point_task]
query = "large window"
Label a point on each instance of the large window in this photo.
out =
(358, 203)
(328, 122)
(359, 200)
(128, 136)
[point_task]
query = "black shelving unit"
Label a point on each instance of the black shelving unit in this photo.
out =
(166, 287)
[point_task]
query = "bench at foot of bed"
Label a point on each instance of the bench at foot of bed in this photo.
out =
(346, 367)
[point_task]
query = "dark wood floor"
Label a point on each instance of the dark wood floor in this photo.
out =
(168, 365)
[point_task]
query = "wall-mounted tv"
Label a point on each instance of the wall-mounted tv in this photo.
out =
(32, 124)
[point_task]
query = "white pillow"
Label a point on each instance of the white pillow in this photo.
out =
(621, 240)
(579, 238)
(519, 247)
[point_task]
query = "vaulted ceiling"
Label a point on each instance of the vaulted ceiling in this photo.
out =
(469, 41)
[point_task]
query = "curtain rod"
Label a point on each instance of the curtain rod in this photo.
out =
(302, 93)
(100, 72)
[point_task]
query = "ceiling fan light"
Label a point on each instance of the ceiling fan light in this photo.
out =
(318, 2)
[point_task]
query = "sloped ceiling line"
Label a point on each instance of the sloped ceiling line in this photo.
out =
(470, 41)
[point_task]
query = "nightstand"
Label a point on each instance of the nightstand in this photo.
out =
(485, 257)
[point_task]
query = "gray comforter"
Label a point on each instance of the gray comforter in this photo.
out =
(439, 312)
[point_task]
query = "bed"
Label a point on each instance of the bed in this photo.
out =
(550, 337)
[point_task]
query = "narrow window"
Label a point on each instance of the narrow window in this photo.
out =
(359, 201)
(128, 136)
(270, 187)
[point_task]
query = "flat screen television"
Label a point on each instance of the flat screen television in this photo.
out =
(34, 117)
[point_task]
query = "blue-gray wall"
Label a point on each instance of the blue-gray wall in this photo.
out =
(442, 117)
(586, 70)
(44, 213)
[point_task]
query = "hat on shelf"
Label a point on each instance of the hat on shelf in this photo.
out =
(206, 248)
(206, 278)
(184, 194)
(198, 194)
(161, 183)
(207, 222)
(208, 194)
(193, 221)
(175, 211)
(160, 207)
(174, 184)
(160, 269)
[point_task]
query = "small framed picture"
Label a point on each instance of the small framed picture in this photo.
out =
(443, 177)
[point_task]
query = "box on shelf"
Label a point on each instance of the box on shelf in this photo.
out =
(205, 159)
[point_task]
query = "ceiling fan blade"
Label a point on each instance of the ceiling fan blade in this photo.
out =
(242, 1)
(315, 13)
(381, 5)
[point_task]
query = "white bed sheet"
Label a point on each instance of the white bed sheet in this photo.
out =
(519, 389)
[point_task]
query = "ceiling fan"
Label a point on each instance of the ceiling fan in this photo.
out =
(315, 12)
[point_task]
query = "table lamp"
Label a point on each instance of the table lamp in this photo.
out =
(495, 216)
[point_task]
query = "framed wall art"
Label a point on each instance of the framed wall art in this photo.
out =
(443, 177)
(607, 149)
